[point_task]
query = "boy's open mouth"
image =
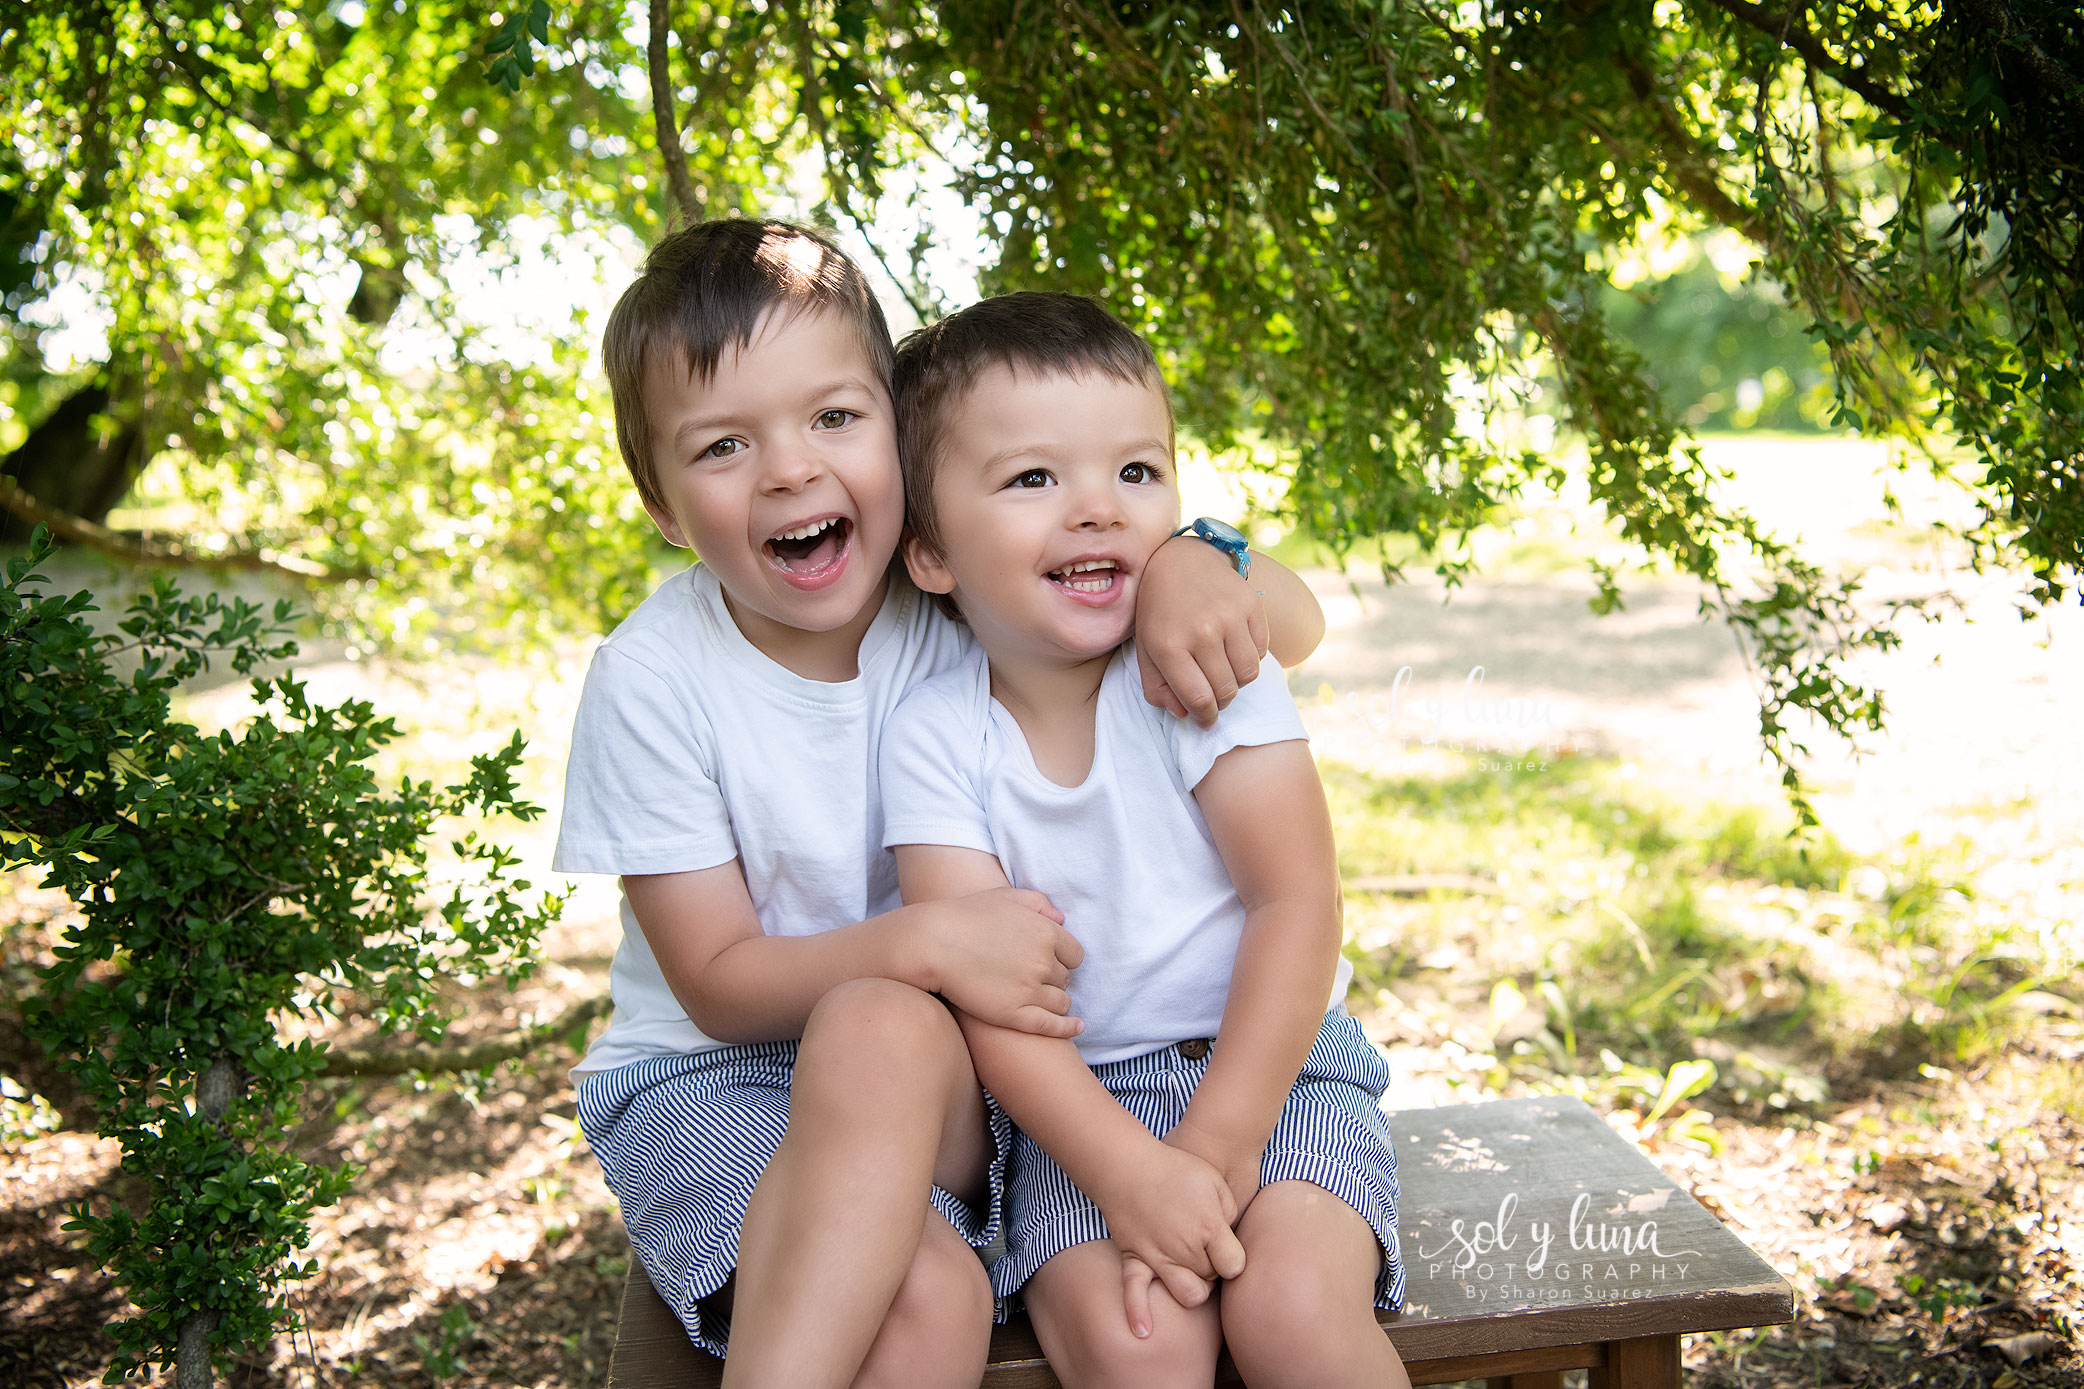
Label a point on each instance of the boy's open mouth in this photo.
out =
(1090, 576)
(810, 550)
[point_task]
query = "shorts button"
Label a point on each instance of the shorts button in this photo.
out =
(1194, 1049)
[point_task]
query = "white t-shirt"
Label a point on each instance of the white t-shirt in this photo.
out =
(1126, 856)
(692, 748)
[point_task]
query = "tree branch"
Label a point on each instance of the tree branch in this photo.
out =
(925, 310)
(80, 531)
(1333, 134)
(2045, 66)
(195, 69)
(373, 1061)
(1681, 164)
(658, 58)
(1792, 35)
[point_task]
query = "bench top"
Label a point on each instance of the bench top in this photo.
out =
(1529, 1223)
(1524, 1224)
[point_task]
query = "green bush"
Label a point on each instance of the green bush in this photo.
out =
(224, 884)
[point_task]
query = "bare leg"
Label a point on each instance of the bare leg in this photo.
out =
(884, 1102)
(1303, 1312)
(938, 1331)
(1075, 1302)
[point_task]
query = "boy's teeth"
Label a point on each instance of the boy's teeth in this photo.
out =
(1087, 576)
(806, 532)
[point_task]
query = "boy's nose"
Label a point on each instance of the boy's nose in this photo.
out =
(790, 469)
(1098, 509)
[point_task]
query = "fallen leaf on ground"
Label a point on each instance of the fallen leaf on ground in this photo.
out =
(2022, 1348)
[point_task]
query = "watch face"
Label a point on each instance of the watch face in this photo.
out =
(1222, 533)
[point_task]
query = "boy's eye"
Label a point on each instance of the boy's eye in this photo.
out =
(723, 448)
(835, 419)
(1033, 477)
(1139, 472)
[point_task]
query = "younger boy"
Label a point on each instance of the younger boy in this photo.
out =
(723, 765)
(1195, 866)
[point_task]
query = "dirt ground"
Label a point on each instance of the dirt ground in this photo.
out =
(1919, 1219)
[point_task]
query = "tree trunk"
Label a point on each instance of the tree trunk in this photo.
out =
(78, 460)
(192, 1367)
(215, 1090)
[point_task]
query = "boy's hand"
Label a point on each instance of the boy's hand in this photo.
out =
(1169, 1213)
(1004, 957)
(1200, 630)
(1239, 1167)
(1136, 1295)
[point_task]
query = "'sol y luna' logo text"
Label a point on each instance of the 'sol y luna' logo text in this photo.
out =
(1472, 1242)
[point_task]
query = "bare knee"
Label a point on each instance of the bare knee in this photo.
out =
(881, 1010)
(1276, 1315)
(1102, 1355)
(1272, 1325)
(1270, 1293)
(938, 1329)
(875, 1031)
(1091, 1347)
(945, 1287)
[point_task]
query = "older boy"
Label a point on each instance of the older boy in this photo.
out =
(723, 765)
(1195, 866)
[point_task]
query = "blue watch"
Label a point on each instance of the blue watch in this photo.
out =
(1225, 537)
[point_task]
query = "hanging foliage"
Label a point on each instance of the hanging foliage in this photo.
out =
(1364, 236)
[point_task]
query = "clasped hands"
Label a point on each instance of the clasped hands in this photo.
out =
(1171, 1208)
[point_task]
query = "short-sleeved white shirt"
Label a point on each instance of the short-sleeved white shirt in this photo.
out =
(1125, 855)
(692, 748)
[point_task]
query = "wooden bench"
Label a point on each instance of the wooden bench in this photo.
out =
(1535, 1241)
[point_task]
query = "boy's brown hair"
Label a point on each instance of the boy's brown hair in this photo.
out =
(704, 290)
(1044, 333)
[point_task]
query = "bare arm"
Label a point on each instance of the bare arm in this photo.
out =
(1294, 617)
(1042, 1081)
(1000, 953)
(1201, 630)
(1265, 808)
(1174, 1216)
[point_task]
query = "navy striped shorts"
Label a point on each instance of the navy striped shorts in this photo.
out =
(1331, 1133)
(684, 1138)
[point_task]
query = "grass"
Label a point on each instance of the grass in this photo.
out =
(1631, 933)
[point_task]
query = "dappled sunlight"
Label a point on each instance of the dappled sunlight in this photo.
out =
(1817, 1037)
(1674, 408)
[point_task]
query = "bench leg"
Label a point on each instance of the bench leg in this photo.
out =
(1543, 1379)
(1648, 1362)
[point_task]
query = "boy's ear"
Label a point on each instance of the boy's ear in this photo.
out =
(667, 526)
(925, 567)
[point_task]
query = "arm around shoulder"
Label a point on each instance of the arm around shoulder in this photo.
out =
(1201, 629)
(1294, 617)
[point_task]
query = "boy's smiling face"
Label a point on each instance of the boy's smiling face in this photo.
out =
(781, 473)
(1051, 493)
